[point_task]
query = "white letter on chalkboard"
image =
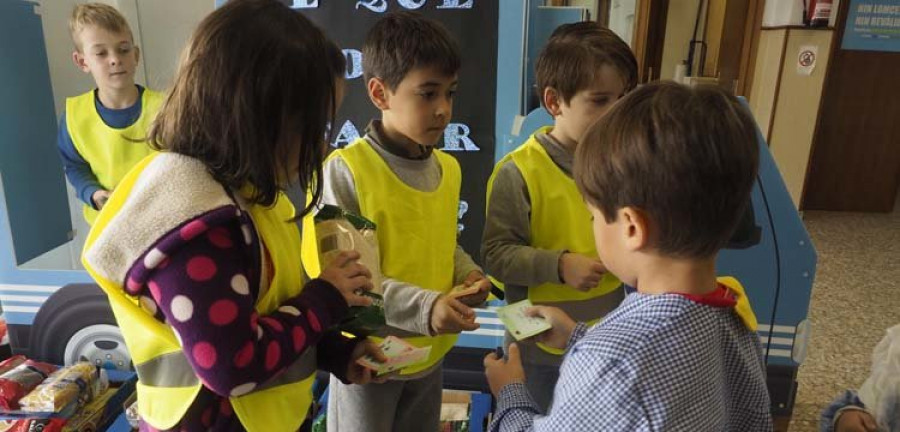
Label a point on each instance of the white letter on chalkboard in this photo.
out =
(411, 4)
(347, 135)
(354, 64)
(463, 209)
(373, 5)
(305, 4)
(454, 4)
(456, 138)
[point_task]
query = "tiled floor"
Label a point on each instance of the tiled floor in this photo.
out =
(856, 296)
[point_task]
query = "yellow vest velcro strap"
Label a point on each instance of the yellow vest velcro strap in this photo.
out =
(167, 370)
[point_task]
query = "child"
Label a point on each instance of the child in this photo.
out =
(197, 249)
(396, 178)
(876, 405)
(537, 236)
(101, 132)
(666, 175)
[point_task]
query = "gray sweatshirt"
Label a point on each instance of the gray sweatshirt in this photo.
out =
(407, 307)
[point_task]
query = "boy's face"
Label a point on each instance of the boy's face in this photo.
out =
(421, 106)
(612, 243)
(111, 58)
(589, 104)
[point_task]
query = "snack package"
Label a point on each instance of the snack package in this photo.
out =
(338, 230)
(91, 415)
(20, 380)
(33, 425)
(10, 363)
(77, 384)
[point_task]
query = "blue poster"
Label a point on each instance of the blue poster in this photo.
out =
(873, 25)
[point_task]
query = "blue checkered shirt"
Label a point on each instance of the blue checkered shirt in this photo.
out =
(657, 363)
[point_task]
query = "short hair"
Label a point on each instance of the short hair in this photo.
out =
(99, 15)
(686, 157)
(575, 52)
(403, 41)
(252, 99)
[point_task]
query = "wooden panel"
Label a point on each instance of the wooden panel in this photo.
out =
(750, 46)
(649, 37)
(767, 74)
(855, 164)
(729, 56)
(797, 107)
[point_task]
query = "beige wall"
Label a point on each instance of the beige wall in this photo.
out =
(679, 30)
(797, 108)
(766, 75)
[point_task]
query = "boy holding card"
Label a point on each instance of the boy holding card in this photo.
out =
(396, 178)
(666, 175)
(537, 236)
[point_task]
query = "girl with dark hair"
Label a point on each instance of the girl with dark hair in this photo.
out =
(198, 249)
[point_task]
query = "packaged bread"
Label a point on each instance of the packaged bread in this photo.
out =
(339, 230)
(77, 383)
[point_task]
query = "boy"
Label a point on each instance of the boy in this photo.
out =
(395, 177)
(101, 132)
(666, 175)
(537, 236)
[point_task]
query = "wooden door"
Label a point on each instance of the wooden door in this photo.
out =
(855, 160)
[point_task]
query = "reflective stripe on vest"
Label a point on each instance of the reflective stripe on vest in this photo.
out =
(416, 229)
(561, 221)
(174, 370)
(110, 152)
(167, 385)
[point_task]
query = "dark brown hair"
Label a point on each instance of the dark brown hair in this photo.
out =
(575, 52)
(254, 92)
(687, 158)
(403, 41)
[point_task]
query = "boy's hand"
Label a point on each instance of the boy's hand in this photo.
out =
(349, 277)
(359, 374)
(579, 271)
(100, 197)
(505, 371)
(562, 326)
(478, 288)
(856, 421)
(449, 315)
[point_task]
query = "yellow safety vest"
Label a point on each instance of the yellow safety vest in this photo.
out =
(110, 152)
(559, 221)
(416, 229)
(167, 384)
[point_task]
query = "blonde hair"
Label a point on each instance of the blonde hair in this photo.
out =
(99, 15)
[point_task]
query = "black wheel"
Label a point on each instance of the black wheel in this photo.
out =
(77, 324)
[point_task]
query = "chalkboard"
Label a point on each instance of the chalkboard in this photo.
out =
(470, 135)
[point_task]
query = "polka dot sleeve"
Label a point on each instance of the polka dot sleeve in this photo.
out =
(203, 280)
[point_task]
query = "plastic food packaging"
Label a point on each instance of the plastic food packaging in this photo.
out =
(79, 382)
(20, 380)
(338, 230)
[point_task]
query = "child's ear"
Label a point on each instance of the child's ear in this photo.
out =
(137, 55)
(636, 228)
(378, 93)
(552, 101)
(78, 59)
